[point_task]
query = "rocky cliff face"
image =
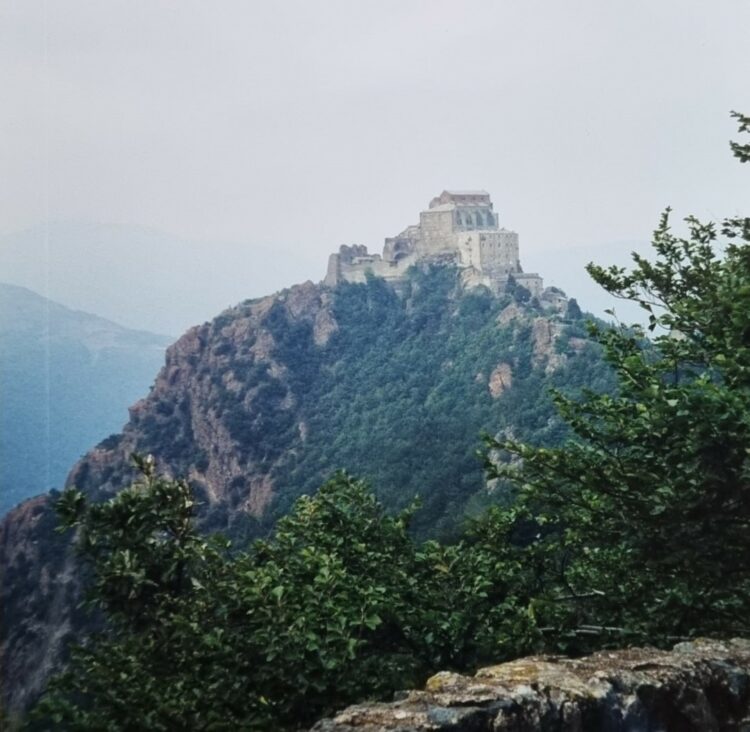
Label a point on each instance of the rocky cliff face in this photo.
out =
(182, 423)
(38, 596)
(215, 376)
(264, 402)
(702, 686)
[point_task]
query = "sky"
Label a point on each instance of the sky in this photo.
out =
(251, 139)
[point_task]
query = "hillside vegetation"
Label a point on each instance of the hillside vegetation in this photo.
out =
(260, 405)
(404, 389)
(265, 402)
(635, 528)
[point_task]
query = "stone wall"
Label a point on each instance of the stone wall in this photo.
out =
(493, 253)
(437, 237)
(344, 267)
(532, 282)
(702, 686)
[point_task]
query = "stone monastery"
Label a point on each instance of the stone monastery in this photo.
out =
(459, 227)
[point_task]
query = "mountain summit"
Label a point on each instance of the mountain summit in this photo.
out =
(459, 227)
(392, 378)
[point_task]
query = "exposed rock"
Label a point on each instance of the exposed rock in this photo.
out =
(325, 325)
(303, 430)
(184, 421)
(32, 573)
(510, 313)
(259, 495)
(702, 686)
(302, 299)
(544, 333)
(577, 344)
(501, 379)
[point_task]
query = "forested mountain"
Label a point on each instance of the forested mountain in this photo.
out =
(267, 400)
(66, 379)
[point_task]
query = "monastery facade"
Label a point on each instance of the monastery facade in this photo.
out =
(459, 227)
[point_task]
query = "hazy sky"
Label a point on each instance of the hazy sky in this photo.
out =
(299, 126)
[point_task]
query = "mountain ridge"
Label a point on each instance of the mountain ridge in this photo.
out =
(265, 401)
(66, 380)
(61, 320)
(137, 275)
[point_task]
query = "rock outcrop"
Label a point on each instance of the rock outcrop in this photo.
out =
(544, 334)
(701, 686)
(38, 592)
(501, 379)
(191, 421)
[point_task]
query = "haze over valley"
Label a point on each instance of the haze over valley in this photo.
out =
(307, 393)
(198, 158)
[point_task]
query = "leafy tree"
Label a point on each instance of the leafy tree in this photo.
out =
(573, 311)
(640, 523)
(149, 574)
(340, 604)
(741, 151)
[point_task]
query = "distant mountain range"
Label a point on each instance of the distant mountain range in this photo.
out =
(66, 380)
(145, 278)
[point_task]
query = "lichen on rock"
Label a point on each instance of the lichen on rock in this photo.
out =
(703, 685)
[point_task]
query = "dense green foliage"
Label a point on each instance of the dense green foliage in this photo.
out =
(399, 394)
(340, 604)
(739, 150)
(644, 515)
(637, 528)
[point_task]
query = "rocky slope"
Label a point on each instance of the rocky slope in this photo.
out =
(262, 403)
(703, 686)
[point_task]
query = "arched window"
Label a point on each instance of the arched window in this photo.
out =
(459, 220)
(480, 220)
